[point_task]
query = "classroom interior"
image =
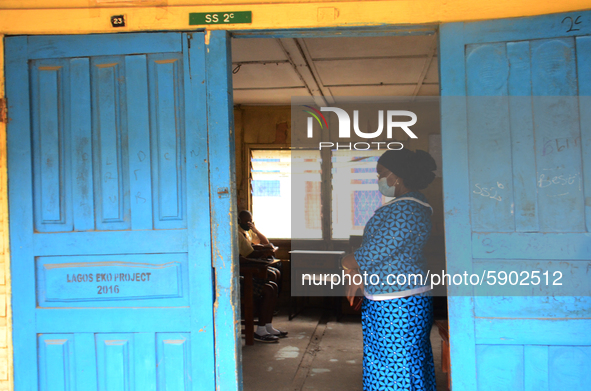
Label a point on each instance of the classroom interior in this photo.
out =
(324, 349)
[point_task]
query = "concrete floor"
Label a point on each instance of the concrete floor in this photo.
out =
(318, 354)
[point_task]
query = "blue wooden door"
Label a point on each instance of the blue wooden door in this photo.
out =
(517, 184)
(109, 212)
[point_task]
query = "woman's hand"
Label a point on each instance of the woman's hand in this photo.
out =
(353, 288)
(351, 269)
(349, 262)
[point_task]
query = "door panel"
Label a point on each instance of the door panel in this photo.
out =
(167, 147)
(115, 286)
(109, 141)
(516, 186)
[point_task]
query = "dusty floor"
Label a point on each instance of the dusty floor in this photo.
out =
(319, 354)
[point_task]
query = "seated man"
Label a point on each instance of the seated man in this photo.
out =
(253, 244)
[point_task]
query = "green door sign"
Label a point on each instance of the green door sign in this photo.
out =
(198, 18)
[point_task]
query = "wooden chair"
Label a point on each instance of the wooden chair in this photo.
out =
(250, 269)
(442, 326)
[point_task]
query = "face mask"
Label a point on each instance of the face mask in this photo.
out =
(245, 227)
(385, 189)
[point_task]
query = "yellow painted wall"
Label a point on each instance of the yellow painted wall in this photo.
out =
(45, 17)
(93, 16)
(257, 127)
(5, 315)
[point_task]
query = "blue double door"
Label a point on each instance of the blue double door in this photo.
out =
(110, 212)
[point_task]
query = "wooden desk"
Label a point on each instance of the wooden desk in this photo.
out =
(315, 262)
(249, 270)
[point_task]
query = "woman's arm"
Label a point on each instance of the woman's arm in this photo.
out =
(349, 262)
(351, 269)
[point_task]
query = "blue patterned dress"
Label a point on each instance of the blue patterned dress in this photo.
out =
(397, 351)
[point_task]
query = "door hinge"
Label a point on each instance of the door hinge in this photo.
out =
(3, 111)
(189, 38)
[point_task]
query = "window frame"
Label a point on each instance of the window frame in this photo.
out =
(326, 242)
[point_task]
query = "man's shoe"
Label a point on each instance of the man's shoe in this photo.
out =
(267, 338)
(282, 334)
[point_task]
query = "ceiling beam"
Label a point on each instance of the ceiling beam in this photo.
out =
(264, 62)
(295, 54)
(308, 57)
(326, 59)
(426, 66)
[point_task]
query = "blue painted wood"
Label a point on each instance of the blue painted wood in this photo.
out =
(535, 368)
(522, 136)
(499, 367)
(110, 162)
(138, 320)
(583, 48)
(223, 210)
(199, 223)
(525, 277)
(81, 144)
(59, 46)
(549, 217)
(574, 246)
(145, 369)
(94, 242)
(49, 95)
(174, 361)
(85, 361)
(129, 280)
(51, 190)
(138, 128)
(568, 332)
(93, 118)
(532, 306)
(456, 190)
(521, 29)
(115, 361)
(168, 141)
(556, 115)
(20, 200)
(56, 362)
(489, 138)
(570, 367)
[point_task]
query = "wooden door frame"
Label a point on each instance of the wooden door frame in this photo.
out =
(335, 32)
(222, 184)
(214, 61)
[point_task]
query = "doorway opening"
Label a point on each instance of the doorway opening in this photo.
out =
(323, 349)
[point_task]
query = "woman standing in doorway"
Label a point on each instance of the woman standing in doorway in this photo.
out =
(397, 314)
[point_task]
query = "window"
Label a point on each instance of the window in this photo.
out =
(306, 207)
(355, 194)
(275, 180)
(287, 192)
